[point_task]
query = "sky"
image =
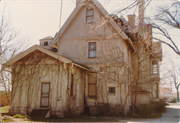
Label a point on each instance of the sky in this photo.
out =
(36, 19)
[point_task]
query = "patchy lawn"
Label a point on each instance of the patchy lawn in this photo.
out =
(78, 119)
(73, 119)
(4, 109)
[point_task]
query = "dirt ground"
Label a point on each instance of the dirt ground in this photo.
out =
(172, 115)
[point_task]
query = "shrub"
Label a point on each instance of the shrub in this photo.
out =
(20, 116)
(173, 100)
(149, 110)
(104, 109)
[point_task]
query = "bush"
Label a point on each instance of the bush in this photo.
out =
(104, 109)
(149, 110)
(173, 100)
(20, 116)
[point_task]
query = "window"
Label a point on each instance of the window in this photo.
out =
(92, 84)
(156, 90)
(71, 89)
(89, 15)
(155, 67)
(112, 90)
(92, 49)
(45, 43)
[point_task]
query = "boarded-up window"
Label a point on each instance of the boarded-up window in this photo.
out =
(112, 90)
(89, 15)
(92, 84)
(92, 49)
(155, 67)
(71, 89)
(156, 90)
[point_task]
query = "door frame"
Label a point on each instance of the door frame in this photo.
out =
(41, 95)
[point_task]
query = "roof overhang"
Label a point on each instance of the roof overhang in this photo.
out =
(39, 48)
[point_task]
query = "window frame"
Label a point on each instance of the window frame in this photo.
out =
(92, 50)
(155, 69)
(112, 92)
(72, 85)
(90, 15)
(46, 43)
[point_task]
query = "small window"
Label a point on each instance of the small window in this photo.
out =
(154, 67)
(45, 43)
(92, 49)
(112, 90)
(89, 15)
(156, 90)
(71, 89)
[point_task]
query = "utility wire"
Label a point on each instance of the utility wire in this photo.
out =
(60, 14)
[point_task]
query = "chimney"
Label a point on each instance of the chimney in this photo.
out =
(131, 20)
(141, 17)
(77, 2)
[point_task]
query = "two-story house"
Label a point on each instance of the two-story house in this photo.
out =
(95, 60)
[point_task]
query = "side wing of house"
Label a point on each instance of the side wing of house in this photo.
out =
(40, 80)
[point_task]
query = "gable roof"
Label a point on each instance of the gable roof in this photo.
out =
(39, 48)
(104, 12)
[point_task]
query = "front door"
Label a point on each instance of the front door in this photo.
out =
(45, 87)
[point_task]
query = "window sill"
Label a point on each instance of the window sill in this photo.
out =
(112, 94)
(92, 57)
(89, 23)
(92, 97)
(73, 97)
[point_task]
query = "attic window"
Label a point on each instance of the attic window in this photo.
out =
(89, 15)
(46, 43)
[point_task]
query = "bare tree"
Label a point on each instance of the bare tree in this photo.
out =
(174, 78)
(168, 16)
(10, 45)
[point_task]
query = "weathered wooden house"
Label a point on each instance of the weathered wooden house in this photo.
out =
(95, 60)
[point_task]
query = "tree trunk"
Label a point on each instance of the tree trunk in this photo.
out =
(177, 90)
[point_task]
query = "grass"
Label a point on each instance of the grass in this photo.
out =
(77, 119)
(6, 119)
(174, 103)
(4, 109)
(20, 116)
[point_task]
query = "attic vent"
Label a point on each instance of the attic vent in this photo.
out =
(46, 43)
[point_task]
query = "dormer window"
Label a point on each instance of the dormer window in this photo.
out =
(89, 15)
(154, 67)
(46, 43)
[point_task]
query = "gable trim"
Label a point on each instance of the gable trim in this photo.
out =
(33, 48)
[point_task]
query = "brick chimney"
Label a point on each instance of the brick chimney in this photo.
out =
(141, 17)
(131, 20)
(77, 2)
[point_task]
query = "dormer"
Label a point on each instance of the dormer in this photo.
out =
(45, 42)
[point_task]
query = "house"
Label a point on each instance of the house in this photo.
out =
(96, 60)
(165, 91)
